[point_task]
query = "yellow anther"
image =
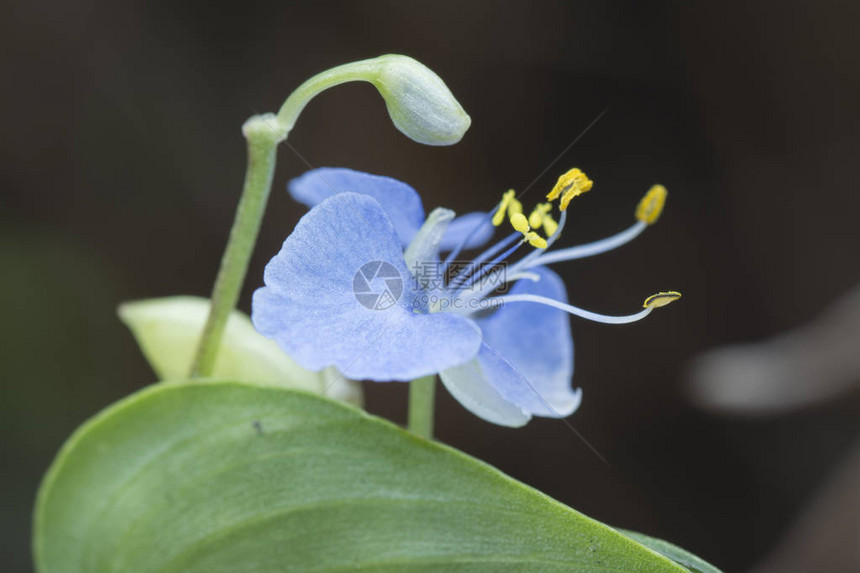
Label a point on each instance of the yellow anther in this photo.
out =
(661, 299)
(515, 207)
(570, 194)
(535, 240)
(499, 216)
(549, 225)
(537, 216)
(569, 185)
(563, 183)
(520, 223)
(649, 208)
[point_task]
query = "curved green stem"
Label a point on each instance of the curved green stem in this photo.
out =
(422, 393)
(365, 70)
(263, 135)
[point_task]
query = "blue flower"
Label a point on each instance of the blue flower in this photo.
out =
(359, 285)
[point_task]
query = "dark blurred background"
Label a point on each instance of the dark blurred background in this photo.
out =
(121, 160)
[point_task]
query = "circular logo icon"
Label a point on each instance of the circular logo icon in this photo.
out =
(377, 285)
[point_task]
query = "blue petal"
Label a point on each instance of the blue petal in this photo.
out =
(476, 227)
(321, 289)
(526, 358)
(469, 385)
(400, 202)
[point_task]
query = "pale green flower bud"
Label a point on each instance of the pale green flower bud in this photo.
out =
(418, 101)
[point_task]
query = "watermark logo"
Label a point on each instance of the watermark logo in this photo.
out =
(377, 285)
(437, 287)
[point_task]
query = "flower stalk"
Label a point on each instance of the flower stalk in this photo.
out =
(263, 136)
(422, 399)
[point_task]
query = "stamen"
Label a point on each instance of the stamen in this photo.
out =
(499, 217)
(647, 212)
(570, 309)
(590, 249)
(570, 185)
(515, 207)
(535, 240)
(520, 223)
(523, 263)
(487, 270)
(649, 208)
(453, 254)
(661, 299)
(549, 225)
(559, 227)
(539, 215)
(528, 261)
(464, 274)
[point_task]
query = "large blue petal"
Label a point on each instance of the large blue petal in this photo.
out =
(400, 202)
(526, 358)
(476, 227)
(321, 289)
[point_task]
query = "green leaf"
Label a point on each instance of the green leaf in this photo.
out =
(227, 477)
(168, 330)
(674, 553)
